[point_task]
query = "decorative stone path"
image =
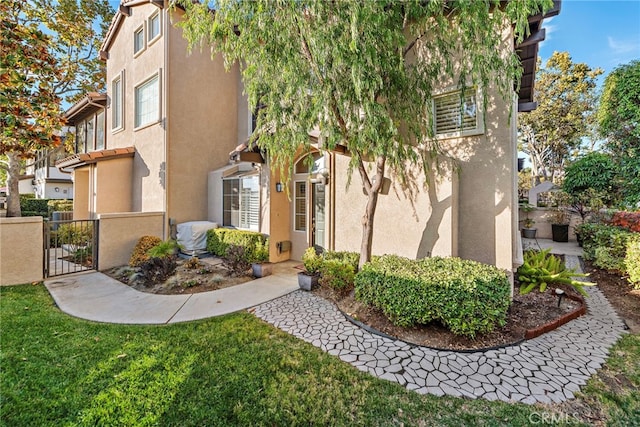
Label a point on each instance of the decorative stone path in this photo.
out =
(550, 368)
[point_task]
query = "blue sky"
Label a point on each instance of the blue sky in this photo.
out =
(600, 33)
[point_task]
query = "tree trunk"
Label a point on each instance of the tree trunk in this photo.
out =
(13, 191)
(371, 188)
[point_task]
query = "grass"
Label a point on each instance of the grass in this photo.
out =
(56, 370)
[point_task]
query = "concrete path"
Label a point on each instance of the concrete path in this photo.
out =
(96, 296)
(550, 368)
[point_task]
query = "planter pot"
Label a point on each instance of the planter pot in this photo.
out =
(262, 270)
(560, 232)
(307, 282)
(529, 233)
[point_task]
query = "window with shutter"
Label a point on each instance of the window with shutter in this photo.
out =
(456, 114)
(241, 202)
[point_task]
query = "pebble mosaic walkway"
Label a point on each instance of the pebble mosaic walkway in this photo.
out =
(550, 368)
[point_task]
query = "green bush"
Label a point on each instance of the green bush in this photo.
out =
(466, 296)
(75, 234)
(256, 244)
(602, 235)
(141, 249)
(541, 268)
(337, 274)
(632, 260)
(345, 257)
(34, 205)
(60, 205)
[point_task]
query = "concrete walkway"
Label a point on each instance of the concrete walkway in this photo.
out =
(96, 296)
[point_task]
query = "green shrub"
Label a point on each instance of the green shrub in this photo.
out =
(337, 274)
(141, 249)
(312, 261)
(60, 205)
(602, 235)
(256, 244)
(540, 269)
(75, 234)
(345, 257)
(34, 205)
(632, 260)
(466, 296)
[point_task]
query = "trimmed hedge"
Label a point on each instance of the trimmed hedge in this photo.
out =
(60, 205)
(344, 257)
(337, 274)
(466, 296)
(30, 205)
(256, 245)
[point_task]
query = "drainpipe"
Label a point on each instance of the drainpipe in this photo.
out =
(165, 122)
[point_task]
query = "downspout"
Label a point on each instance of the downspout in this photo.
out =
(165, 122)
(332, 201)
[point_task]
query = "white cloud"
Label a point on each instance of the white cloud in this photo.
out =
(619, 47)
(549, 29)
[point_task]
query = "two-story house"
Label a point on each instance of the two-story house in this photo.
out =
(175, 131)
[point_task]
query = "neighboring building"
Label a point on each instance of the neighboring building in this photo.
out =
(174, 142)
(170, 118)
(43, 179)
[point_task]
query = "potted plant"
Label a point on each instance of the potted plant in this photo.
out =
(560, 225)
(260, 265)
(560, 217)
(528, 232)
(312, 262)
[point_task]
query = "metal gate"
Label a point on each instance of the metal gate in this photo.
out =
(70, 246)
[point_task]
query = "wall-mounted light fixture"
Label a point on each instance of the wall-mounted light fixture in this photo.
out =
(57, 189)
(278, 187)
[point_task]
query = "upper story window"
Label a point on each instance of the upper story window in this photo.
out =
(153, 26)
(147, 102)
(138, 40)
(117, 103)
(457, 113)
(90, 133)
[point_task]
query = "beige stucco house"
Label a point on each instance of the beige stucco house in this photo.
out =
(175, 127)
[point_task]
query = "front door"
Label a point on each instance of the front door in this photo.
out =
(317, 217)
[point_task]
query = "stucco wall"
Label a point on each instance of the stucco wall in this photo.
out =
(415, 225)
(119, 233)
(202, 126)
(147, 179)
(81, 188)
(21, 253)
(113, 185)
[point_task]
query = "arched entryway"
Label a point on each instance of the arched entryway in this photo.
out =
(310, 202)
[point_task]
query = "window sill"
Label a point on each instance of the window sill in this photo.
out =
(146, 125)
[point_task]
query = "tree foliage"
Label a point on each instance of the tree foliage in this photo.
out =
(619, 123)
(358, 72)
(565, 93)
(49, 55)
(591, 183)
(30, 112)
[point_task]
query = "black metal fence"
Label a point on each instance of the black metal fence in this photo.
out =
(70, 246)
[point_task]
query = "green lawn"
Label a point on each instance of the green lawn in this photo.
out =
(233, 370)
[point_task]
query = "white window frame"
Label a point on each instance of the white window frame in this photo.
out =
(138, 50)
(117, 103)
(138, 124)
(478, 129)
(152, 38)
(243, 212)
(100, 130)
(303, 199)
